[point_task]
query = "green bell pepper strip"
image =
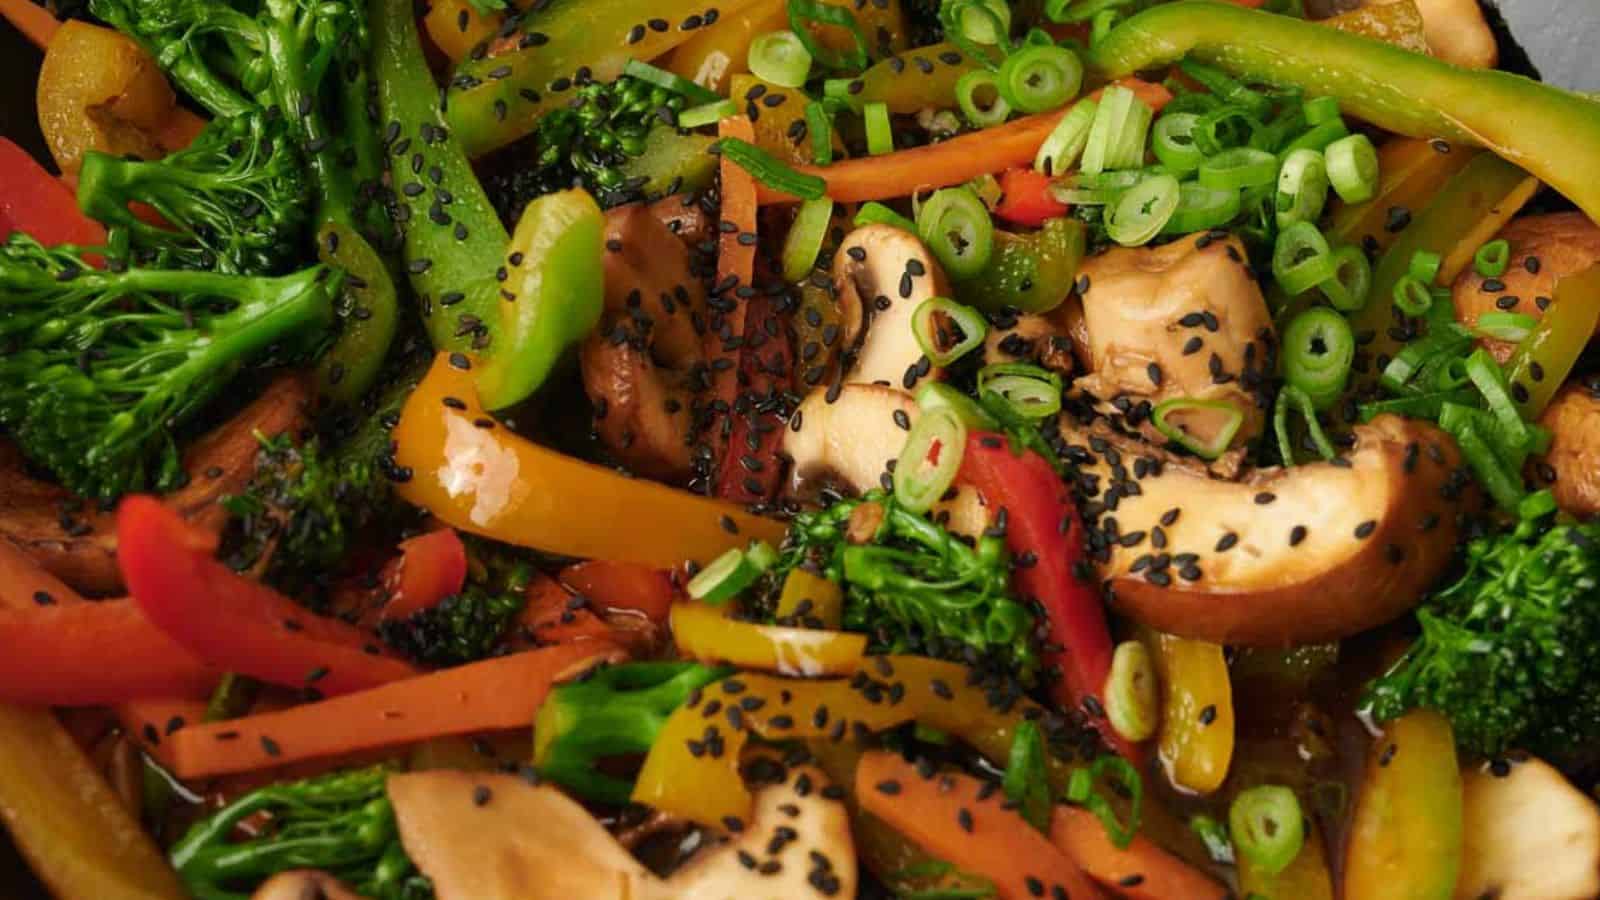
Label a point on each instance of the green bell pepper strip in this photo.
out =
(369, 310)
(500, 97)
(1553, 134)
(1554, 345)
(1031, 272)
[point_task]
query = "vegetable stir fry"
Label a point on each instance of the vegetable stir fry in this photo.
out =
(798, 448)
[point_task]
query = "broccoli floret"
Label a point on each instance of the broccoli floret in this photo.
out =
(98, 367)
(1510, 653)
(913, 585)
(617, 711)
(342, 823)
(462, 628)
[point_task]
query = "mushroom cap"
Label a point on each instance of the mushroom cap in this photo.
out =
(1527, 834)
(304, 884)
(881, 274)
(1555, 245)
(1571, 468)
(1289, 556)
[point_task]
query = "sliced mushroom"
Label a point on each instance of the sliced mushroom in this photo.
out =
(1284, 556)
(1527, 834)
(1457, 32)
(881, 275)
(77, 542)
(1571, 469)
(304, 884)
(648, 283)
(642, 410)
(1185, 320)
(849, 443)
(1544, 249)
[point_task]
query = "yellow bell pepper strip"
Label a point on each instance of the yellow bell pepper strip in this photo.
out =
(809, 598)
(456, 27)
(1405, 838)
(68, 822)
(1306, 878)
(1552, 133)
(453, 460)
(774, 127)
(1552, 348)
(915, 79)
(1196, 737)
(704, 632)
(1412, 171)
(714, 55)
(497, 99)
(1398, 24)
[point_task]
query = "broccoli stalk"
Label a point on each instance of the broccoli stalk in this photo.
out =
(98, 367)
(915, 586)
(616, 711)
(1510, 653)
(236, 200)
(342, 823)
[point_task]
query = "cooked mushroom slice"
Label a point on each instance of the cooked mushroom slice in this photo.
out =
(1544, 249)
(1184, 320)
(1527, 834)
(642, 410)
(848, 444)
(1457, 32)
(1284, 556)
(1042, 340)
(304, 884)
(1572, 467)
(881, 275)
(648, 283)
(76, 542)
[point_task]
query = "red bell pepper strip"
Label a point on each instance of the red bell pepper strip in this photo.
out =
(1042, 520)
(76, 654)
(430, 568)
(232, 621)
(33, 201)
(1025, 198)
(613, 586)
(757, 428)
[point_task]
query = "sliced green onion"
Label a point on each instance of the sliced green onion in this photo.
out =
(1129, 152)
(838, 89)
(781, 58)
(1173, 142)
(1133, 699)
(1067, 140)
(1082, 789)
(1504, 485)
(1075, 196)
(1035, 79)
(974, 91)
(1025, 390)
(1353, 168)
(731, 573)
(1320, 137)
(947, 330)
(1026, 784)
(982, 21)
(1293, 400)
(1272, 136)
(938, 395)
(1318, 349)
(1321, 109)
(1241, 167)
(1347, 290)
(804, 241)
(956, 226)
(1491, 383)
(880, 134)
(819, 126)
(1214, 835)
(875, 213)
(1102, 24)
(1065, 12)
(1105, 133)
(766, 168)
(1418, 406)
(677, 84)
(1424, 267)
(1228, 88)
(1452, 375)
(1170, 416)
(1141, 212)
(1224, 128)
(707, 114)
(803, 11)
(932, 456)
(1302, 187)
(1301, 258)
(1201, 209)
(1492, 258)
(1268, 827)
(1537, 505)
(1427, 354)
(1412, 296)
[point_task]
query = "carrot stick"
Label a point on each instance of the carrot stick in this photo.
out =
(485, 696)
(953, 818)
(1143, 871)
(736, 263)
(955, 161)
(34, 21)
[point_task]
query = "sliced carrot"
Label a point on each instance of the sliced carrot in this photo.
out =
(954, 818)
(955, 161)
(1143, 871)
(486, 696)
(34, 21)
(736, 262)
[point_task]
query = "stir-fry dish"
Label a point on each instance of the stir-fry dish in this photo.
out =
(742, 449)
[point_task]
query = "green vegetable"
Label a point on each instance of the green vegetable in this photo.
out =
(1491, 259)
(1510, 652)
(98, 367)
(928, 464)
(917, 588)
(1030, 272)
(1318, 349)
(236, 200)
(767, 169)
(370, 316)
(342, 823)
(1026, 781)
(462, 628)
(1267, 826)
(616, 712)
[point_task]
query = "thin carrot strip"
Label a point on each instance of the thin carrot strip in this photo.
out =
(736, 262)
(485, 696)
(955, 161)
(1143, 871)
(34, 21)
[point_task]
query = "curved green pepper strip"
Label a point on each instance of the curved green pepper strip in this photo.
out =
(1030, 272)
(370, 313)
(1552, 133)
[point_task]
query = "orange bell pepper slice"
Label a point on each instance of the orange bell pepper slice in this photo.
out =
(81, 654)
(431, 567)
(35, 202)
(617, 586)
